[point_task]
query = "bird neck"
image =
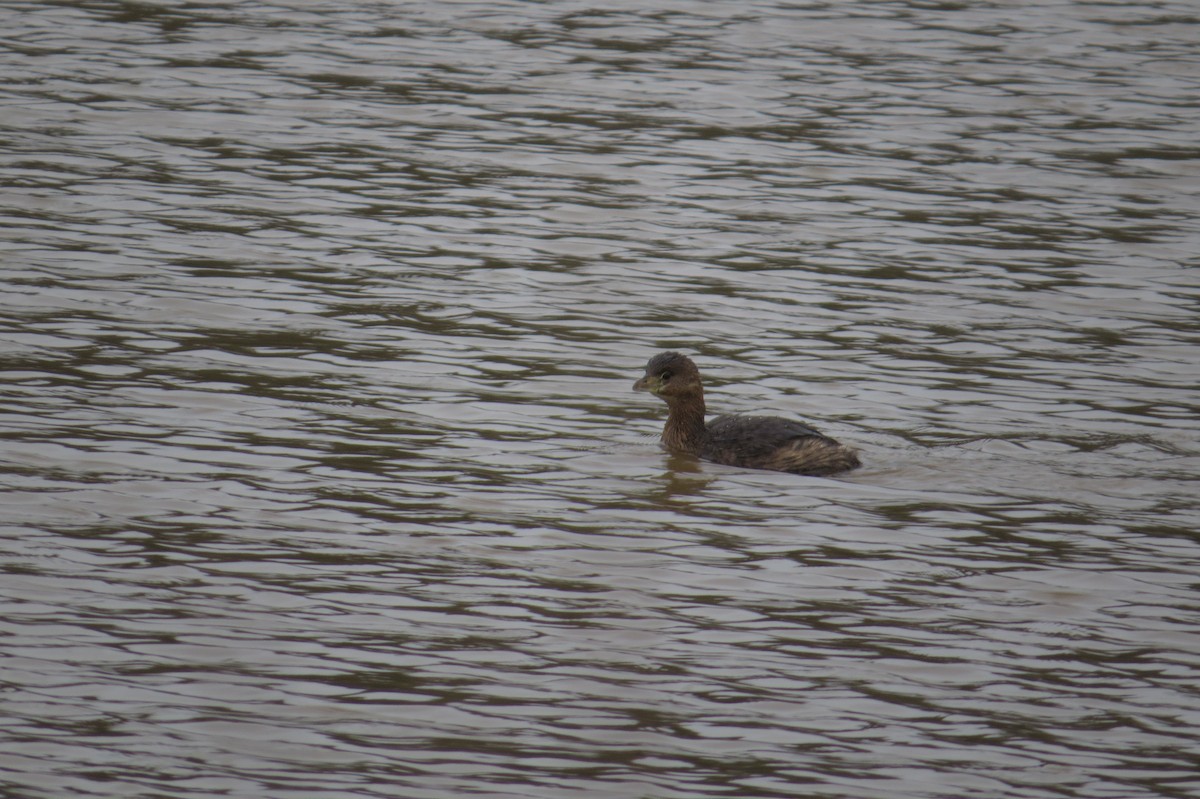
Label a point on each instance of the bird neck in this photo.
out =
(685, 430)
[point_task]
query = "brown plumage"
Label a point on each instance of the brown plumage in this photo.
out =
(756, 442)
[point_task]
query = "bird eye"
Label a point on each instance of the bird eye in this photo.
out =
(666, 375)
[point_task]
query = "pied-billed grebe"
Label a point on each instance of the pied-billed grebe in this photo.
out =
(757, 442)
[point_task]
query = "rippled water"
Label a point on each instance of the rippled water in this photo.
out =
(322, 473)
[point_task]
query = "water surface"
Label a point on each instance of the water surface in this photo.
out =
(321, 470)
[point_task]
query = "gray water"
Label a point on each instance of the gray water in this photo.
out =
(323, 476)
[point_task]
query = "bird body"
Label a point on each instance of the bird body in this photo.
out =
(756, 442)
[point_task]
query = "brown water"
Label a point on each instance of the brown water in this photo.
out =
(322, 473)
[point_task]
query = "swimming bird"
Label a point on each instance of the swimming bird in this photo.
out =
(755, 442)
